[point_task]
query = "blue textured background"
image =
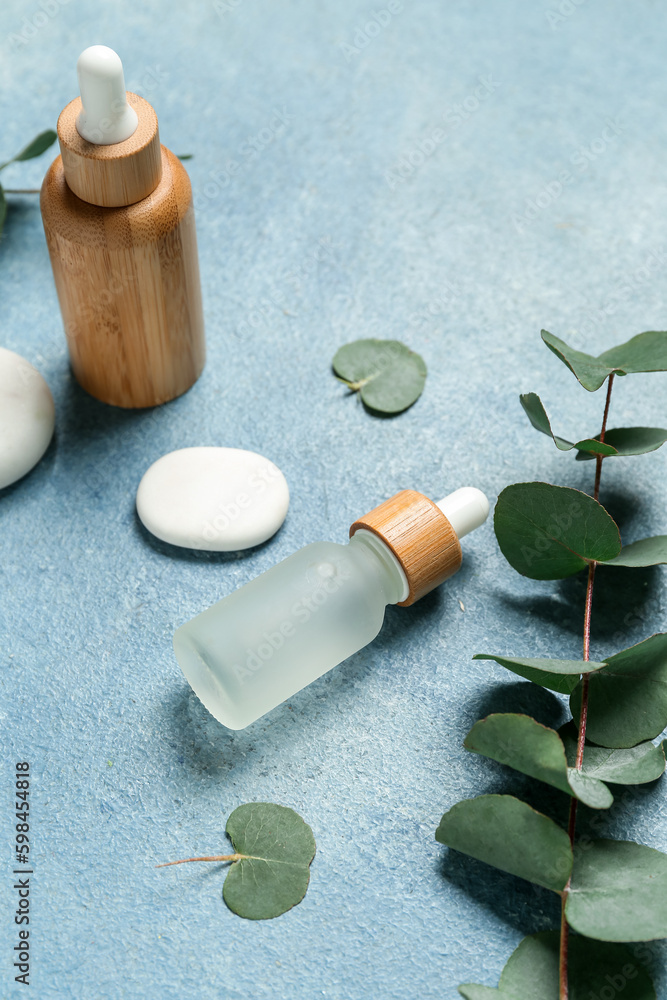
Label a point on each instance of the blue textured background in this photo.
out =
(308, 245)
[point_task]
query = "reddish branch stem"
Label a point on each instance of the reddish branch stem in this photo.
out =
(581, 736)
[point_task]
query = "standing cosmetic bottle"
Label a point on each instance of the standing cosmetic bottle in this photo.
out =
(263, 643)
(119, 223)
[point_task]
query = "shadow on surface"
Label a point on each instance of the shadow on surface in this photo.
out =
(517, 902)
(623, 599)
(194, 555)
(87, 418)
(519, 696)
(522, 905)
(41, 470)
(20, 208)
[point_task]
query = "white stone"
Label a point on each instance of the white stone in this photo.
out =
(219, 499)
(27, 417)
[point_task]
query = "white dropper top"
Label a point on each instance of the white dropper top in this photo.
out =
(105, 116)
(465, 509)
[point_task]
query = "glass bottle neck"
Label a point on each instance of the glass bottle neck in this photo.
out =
(395, 583)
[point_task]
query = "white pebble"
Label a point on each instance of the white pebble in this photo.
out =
(219, 499)
(27, 417)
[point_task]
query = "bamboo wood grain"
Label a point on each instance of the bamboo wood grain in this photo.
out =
(421, 538)
(118, 174)
(128, 285)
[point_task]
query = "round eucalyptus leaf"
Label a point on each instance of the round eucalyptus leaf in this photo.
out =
(272, 875)
(549, 532)
(627, 698)
(556, 675)
(647, 352)
(537, 415)
(505, 832)
(526, 745)
(388, 376)
(596, 969)
(618, 891)
(625, 766)
(645, 552)
(631, 441)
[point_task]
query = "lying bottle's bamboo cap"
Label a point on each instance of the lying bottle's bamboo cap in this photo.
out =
(421, 535)
(108, 137)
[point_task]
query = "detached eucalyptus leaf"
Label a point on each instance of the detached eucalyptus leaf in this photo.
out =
(550, 532)
(270, 868)
(596, 969)
(537, 415)
(632, 766)
(631, 441)
(35, 148)
(645, 552)
(556, 675)
(506, 833)
(524, 744)
(647, 352)
(627, 699)
(388, 376)
(273, 873)
(618, 891)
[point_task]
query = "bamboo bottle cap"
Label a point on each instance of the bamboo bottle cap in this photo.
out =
(421, 535)
(116, 174)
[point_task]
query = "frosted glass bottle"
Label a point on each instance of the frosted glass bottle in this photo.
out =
(264, 642)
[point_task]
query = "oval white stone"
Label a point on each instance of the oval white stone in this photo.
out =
(27, 417)
(218, 499)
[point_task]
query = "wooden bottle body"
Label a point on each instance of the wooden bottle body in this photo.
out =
(128, 284)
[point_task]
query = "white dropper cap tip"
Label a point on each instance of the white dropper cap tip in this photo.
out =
(105, 116)
(465, 509)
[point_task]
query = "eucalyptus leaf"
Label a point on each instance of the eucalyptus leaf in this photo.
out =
(556, 675)
(627, 699)
(645, 552)
(591, 791)
(647, 352)
(273, 874)
(3, 208)
(388, 376)
(537, 415)
(618, 891)
(632, 766)
(596, 969)
(505, 832)
(524, 744)
(631, 441)
(550, 532)
(35, 148)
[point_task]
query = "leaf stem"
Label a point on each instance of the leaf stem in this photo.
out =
(583, 718)
(356, 386)
(598, 458)
(21, 190)
(214, 857)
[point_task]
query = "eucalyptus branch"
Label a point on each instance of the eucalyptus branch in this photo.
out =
(617, 890)
(581, 735)
(280, 841)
